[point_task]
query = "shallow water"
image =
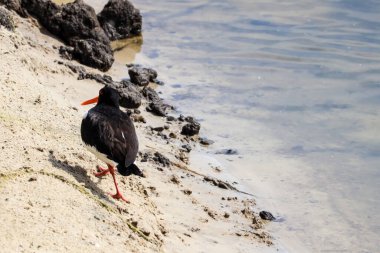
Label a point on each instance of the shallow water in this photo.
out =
(294, 86)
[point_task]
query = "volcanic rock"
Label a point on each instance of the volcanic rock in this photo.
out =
(141, 76)
(120, 19)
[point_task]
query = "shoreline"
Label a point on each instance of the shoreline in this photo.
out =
(182, 210)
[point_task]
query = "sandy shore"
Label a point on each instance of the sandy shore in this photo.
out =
(51, 202)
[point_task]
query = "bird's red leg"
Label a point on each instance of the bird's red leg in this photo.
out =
(118, 194)
(102, 172)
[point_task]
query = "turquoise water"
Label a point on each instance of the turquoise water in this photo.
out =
(294, 86)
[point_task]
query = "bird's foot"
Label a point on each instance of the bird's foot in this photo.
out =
(118, 196)
(102, 172)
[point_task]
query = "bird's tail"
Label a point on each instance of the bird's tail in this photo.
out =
(131, 169)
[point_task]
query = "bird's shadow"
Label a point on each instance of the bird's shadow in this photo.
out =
(80, 174)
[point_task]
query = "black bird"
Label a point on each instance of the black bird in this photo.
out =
(109, 133)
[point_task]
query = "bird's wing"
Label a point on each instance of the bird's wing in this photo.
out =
(113, 140)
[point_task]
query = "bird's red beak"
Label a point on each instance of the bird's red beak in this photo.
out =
(91, 101)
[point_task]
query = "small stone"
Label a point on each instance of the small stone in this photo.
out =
(205, 141)
(265, 215)
(158, 129)
(191, 129)
(187, 192)
(187, 147)
(222, 185)
(170, 118)
(32, 179)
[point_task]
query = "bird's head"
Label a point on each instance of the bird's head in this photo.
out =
(107, 96)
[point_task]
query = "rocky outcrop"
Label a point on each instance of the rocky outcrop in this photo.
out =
(120, 19)
(77, 24)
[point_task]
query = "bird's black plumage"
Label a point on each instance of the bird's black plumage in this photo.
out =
(111, 132)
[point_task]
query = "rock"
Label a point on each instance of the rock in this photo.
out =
(227, 152)
(66, 52)
(174, 179)
(157, 108)
(158, 129)
(265, 215)
(6, 19)
(191, 129)
(187, 147)
(77, 24)
(159, 158)
(14, 5)
(130, 97)
(138, 118)
(222, 185)
(205, 141)
(170, 118)
(181, 118)
(141, 76)
(93, 53)
(103, 79)
(150, 94)
(187, 192)
(120, 19)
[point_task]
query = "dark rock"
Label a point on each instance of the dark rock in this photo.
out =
(222, 185)
(187, 147)
(265, 215)
(120, 19)
(187, 192)
(227, 152)
(80, 70)
(6, 19)
(172, 135)
(93, 53)
(141, 76)
(66, 52)
(189, 119)
(157, 108)
(130, 97)
(170, 118)
(136, 111)
(174, 179)
(191, 129)
(181, 118)
(205, 141)
(145, 157)
(14, 5)
(159, 158)
(77, 24)
(150, 94)
(158, 129)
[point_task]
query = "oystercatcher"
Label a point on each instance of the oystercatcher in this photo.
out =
(109, 134)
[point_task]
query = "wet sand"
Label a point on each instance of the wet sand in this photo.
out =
(52, 202)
